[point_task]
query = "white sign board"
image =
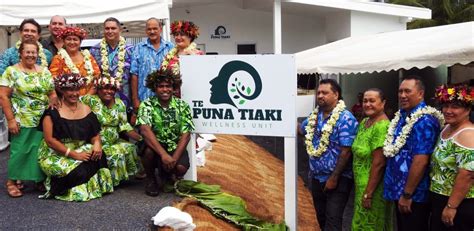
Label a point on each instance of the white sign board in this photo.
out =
(241, 94)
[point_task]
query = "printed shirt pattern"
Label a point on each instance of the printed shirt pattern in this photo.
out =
(447, 158)
(11, 57)
(29, 96)
(422, 140)
(145, 60)
(113, 120)
(343, 135)
(168, 124)
(124, 93)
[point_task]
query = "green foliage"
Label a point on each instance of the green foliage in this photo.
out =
(443, 12)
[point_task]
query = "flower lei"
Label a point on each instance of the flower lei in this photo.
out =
(173, 55)
(390, 148)
(105, 58)
(42, 55)
(326, 130)
(73, 68)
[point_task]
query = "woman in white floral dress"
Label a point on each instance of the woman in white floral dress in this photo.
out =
(121, 155)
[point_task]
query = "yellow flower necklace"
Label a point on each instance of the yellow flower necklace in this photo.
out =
(174, 54)
(87, 63)
(326, 130)
(104, 54)
(390, 148)
(42, 55)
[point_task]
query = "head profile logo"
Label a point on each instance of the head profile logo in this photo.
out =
(220, 30)
(237, 83)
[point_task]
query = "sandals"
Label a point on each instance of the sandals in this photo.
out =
(13, 190)
(19, 184)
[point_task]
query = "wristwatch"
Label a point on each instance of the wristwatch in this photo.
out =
(407, 195)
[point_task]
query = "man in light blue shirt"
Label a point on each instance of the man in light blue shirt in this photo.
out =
(29, 30)
(147, 57)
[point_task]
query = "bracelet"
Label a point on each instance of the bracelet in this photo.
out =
(448, 205)
(366, 196)
(67, 152)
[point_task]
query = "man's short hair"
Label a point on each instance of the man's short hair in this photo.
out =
(64, 19)
(159, 21)
(30, 21)
(419, 83)
(112, 19)
(334, 86)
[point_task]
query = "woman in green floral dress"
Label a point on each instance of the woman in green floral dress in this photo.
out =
(71, 153)
(371, 211)
(111, 111)
(452, 162)
(25, 90)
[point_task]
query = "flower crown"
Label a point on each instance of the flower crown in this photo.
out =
(77, 31)
(70, 81)
(162, 75)
(107, 81)
(458, 92)
(186, 27)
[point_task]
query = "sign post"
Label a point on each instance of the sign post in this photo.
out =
(245, 95)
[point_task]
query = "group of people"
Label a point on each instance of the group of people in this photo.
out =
(82, 121)
(417, 168)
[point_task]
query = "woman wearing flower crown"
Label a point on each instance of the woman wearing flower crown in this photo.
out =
(184, 32)
(71, 154)
(371, 211)
(25, 90)
(72, 60)
(452, 163)
(121, 155)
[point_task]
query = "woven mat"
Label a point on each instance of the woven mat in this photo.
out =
(244, 169)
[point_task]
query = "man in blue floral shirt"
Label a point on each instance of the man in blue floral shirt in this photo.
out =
(29, 30)
(147, 57)
(406, 179)
(117, 53)
(331, 169)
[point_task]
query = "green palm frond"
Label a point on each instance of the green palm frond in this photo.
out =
(422, 23)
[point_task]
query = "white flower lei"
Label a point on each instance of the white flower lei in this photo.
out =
(174, 52)
(105, 58)
(73, 68)
(42, 55)
(390, 148)
(326, 130)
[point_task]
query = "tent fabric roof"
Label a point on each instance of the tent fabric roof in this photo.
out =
(434, 46)
(12, 13)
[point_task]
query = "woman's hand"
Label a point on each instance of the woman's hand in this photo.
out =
(96, 151)
(54, 103)
(447, 217)
(82, 156)
(13, 127)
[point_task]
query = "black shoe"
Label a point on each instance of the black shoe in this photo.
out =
(151, 188)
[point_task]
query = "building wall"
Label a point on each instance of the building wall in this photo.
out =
(367, 23)
(251, 27)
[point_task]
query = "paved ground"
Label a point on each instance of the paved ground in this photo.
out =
(128, 208)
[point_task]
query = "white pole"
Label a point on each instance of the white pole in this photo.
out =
(277, 27)
(191, 174)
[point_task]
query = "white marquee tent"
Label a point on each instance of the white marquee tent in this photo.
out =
(434, 46)
(12, 13)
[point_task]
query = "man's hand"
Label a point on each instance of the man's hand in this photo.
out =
(331, 184)
(404, 205)
(447, 217)
(168, 162)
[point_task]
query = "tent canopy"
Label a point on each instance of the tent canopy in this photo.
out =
(434, 46)
(12, 13)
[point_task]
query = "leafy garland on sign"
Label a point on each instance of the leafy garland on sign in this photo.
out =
(105, 58)
(42, 55)
(326, 130)
(390, 148)
(73, 68)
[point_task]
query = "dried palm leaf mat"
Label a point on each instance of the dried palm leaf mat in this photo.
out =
(244, 169)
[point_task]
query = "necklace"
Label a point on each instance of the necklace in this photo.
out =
(105, 58)
(72, 67)
(72, 110)
(25, 69)
(326, 130)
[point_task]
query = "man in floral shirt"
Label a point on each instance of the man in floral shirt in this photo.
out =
(165, 123)
(329, 135)
(406, 179)
(113, 55)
